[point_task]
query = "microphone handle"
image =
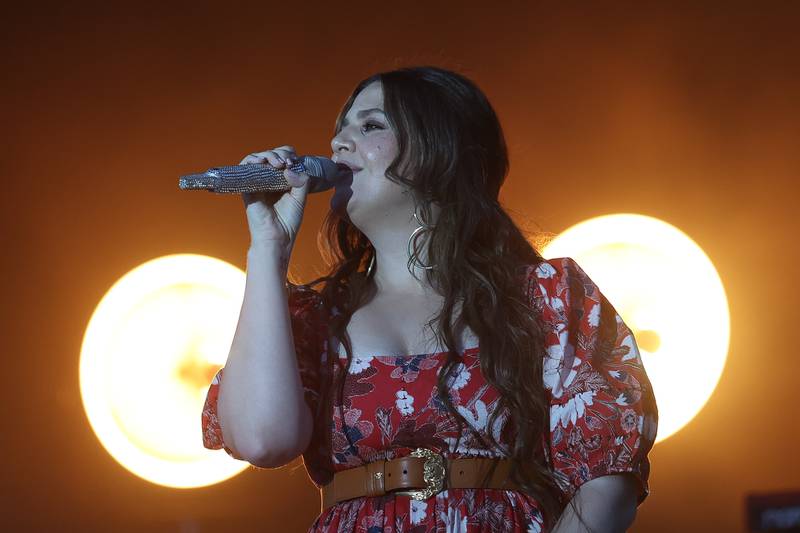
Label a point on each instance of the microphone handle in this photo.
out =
(255, 177)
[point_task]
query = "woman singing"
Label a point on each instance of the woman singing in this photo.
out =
(444, 376)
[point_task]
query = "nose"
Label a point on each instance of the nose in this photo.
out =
(338, 143)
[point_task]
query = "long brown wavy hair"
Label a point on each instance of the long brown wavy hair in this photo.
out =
(452, 151)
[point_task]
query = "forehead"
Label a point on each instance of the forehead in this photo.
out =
(370, 96)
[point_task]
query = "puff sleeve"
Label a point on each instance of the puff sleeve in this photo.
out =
(603, 413)
(304, 309)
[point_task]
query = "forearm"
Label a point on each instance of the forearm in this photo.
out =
(607, 504)
(261, 406)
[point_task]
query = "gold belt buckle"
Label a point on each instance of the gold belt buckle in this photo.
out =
(433, 473)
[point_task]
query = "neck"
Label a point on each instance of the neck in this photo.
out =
(392, 275)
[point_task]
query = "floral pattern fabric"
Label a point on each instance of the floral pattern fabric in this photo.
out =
(603, 414)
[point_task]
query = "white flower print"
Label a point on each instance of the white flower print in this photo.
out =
(404, 402)
(594, 315)
(478, 419)
(571, 411)
(453, 521)
(557, 304)
(418, 511)
(460, 378)
(633, 349)
(556, 355)
(545, 270)
(544, 293)
(464, 448)
(497, 428)
(553, 301)
(534, 527)
(359, 364)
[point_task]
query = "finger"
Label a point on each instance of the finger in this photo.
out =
(250, 158)
(295, 179)
(250, 197)
(275, 159)
(270, 156)
(300, 184)
(282, 152)
(286, 156)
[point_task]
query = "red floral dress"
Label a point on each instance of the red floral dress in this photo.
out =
(603, 418)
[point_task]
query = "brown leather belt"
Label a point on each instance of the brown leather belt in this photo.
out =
(423, 470)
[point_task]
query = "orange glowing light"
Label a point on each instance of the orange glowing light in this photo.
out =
(149, 352)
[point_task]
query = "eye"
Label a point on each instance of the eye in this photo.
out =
(373, 124)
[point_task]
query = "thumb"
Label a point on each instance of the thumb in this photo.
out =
(299, 182)
(296, 179)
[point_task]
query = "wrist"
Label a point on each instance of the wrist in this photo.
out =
(273, 253)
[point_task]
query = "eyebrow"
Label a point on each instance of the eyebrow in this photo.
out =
(363, 113)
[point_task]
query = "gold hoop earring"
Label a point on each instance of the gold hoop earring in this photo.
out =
(371, 266)
(423, 226)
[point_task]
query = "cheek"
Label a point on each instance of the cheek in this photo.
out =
(381, 152)
(374, 185)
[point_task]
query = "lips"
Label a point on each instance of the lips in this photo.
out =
(348, 165)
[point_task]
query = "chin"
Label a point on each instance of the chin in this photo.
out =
(341, 199)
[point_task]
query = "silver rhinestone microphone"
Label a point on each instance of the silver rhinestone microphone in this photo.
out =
(257, 177)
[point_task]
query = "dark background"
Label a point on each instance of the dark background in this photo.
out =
(685, 111)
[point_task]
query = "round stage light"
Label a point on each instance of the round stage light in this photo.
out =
(668, 292)
(149, 352)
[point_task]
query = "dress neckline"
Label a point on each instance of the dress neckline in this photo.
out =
(413, 355)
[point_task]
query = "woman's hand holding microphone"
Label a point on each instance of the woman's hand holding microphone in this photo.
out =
(274, 218)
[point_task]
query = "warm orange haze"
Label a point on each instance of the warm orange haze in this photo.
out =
(656, 145)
